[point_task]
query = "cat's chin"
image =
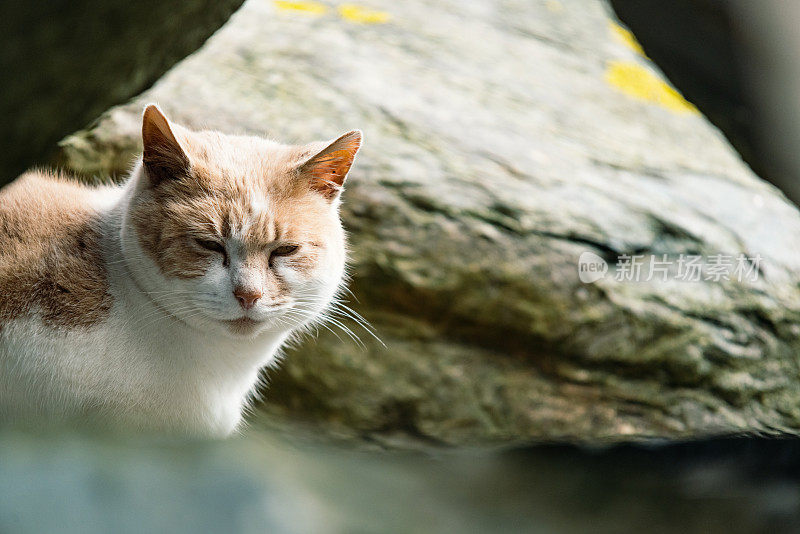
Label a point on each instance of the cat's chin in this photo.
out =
(244, 326)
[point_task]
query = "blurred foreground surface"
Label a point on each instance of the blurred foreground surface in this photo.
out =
(269, 483)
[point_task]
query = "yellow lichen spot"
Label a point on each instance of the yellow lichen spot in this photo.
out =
(362, 15)
(624, 36)
(554, 6)
(307, 7)
(637, 81)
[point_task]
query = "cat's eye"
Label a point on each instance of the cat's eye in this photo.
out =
(214, 246)
(284, 250)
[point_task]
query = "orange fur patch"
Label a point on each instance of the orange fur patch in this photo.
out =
(51, 258)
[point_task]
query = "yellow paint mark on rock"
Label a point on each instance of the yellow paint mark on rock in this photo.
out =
(637, 81)
(301, 6)
(624, 36)
(362, 15)
(554, 6)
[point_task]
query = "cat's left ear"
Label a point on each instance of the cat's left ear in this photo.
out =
(328, 169)
(163, 156)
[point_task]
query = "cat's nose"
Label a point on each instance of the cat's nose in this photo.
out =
(247, 297)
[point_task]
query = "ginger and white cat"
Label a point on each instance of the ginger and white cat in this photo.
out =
(153, 305)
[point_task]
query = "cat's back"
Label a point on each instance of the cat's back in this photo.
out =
(51, 259)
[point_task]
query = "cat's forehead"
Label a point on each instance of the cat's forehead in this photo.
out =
(253, 194)
(261, 219)
(247, 187)
(221, 158)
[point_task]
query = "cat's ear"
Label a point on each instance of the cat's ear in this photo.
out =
(328, 168)
(163, 156)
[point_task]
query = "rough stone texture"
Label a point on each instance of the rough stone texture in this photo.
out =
(495, 154)
(64, 62)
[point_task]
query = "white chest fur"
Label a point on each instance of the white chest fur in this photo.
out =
(140, 369)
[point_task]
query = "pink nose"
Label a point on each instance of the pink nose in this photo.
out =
(247, 297)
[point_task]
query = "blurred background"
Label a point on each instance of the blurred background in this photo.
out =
(504, 139)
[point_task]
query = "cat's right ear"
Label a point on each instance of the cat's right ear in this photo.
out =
(163, 156)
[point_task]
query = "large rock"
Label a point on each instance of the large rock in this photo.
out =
(502, 141)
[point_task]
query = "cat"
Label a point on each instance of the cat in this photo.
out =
(152, 305)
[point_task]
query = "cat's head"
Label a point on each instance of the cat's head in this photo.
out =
(237, 234)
